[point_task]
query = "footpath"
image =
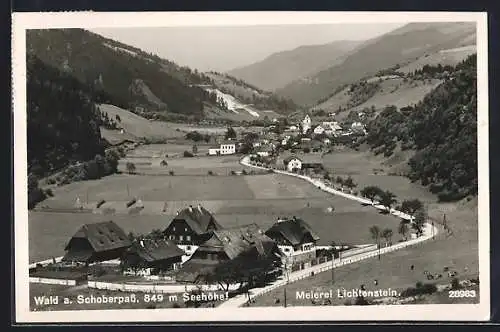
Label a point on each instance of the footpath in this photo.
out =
(428, 232)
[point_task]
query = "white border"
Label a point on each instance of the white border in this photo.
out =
(434, 312)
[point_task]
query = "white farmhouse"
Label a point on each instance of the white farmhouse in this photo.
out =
(265, 151)
(224, 148)
(292, 163)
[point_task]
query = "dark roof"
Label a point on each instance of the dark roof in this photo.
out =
(156, 250)
(293, 230)
(237, 240)
(312, 158)
(198, 218)
(102, 236)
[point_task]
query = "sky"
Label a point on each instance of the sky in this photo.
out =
(225, 48)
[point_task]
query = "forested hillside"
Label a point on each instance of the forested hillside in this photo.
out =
(441, 129)
(63, 128)
(128, 76)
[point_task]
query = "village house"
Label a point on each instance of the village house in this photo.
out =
(318, 130)
(225, 148)
(191, 227)
(292, 163)
(331, 126)
(152, 256)
(247, 242)
(96, 242)
(296, 240)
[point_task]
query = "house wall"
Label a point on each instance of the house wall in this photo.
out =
(179, 232)
(227, 149)
(294, 163)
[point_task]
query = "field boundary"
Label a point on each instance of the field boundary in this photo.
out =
(52, 281)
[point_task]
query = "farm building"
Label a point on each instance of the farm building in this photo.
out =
(97, 243)
(318, 130)
(312, 160)
(292, 163)
(225, 148)
(295, 238)
(153, 256)
(245, 246)
(191, 227)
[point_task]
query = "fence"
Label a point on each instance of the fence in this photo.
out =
(52, 281)
(177, 288)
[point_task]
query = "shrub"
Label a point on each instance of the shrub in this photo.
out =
(51, 181)
(233, 173)
(188, 154)
(171, 173)
(455, 284)
(210, 173)
(49, 192)
(244, 172)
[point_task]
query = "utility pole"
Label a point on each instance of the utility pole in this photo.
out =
(333, 261)
(284, 295)
(432, 229)
(87, 197)
(128, 191)
(378, 246)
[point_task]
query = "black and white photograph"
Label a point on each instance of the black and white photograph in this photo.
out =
(251, 166)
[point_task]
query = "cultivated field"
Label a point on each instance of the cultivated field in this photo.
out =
(367, 169)
(138, 126)
(458, 250)
(234, 200)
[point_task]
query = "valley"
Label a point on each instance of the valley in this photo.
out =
(389, 125)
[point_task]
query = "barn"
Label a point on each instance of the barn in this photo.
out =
(153, 256)
(97, 242)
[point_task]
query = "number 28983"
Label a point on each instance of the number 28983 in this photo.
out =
(460, 293)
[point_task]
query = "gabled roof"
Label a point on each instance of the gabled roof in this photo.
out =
(198, 218)
(156, 250)
(293, 230)
(102, 236)
(238, 240)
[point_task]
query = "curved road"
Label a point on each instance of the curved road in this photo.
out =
(428, 232)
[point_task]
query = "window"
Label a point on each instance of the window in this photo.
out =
(188, 248)
(171, 237)
(185, 229)
(188, 237)
(173, 228)
(181, 238)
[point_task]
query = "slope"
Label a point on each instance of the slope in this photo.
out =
(442, 132)
(248, 94)
(399, 47)
(281, 68)
(129, 77)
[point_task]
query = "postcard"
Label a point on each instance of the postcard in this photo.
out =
(251, 166)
